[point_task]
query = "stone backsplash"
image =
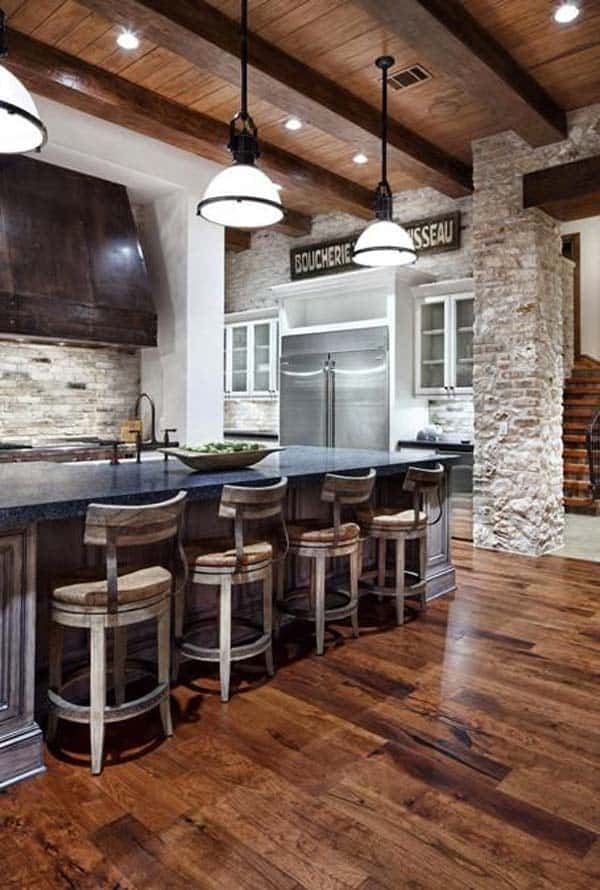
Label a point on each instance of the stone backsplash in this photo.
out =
(454, 416)
(50, 391)
(259, 415)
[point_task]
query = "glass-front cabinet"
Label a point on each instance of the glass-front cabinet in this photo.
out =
(251, 358)
(444, 344)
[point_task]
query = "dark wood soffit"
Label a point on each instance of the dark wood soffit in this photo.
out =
(568, 191)
(454, 42)
(209, 39)
(73, 82)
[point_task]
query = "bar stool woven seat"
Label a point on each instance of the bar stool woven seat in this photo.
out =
(317, 533)
(390, 518)
(131, 588)
(219, 554)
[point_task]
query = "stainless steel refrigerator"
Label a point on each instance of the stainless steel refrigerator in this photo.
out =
(334, 389)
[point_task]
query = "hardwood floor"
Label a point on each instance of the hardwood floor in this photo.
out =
(460, 751)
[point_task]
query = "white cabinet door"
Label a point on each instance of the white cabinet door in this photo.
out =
(462, 343)
(431, 348)
(444, 345)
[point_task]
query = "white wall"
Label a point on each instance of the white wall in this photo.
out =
(590, 281)
(185, 257)
(205, 322)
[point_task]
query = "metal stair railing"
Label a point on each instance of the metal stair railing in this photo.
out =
(593, 450)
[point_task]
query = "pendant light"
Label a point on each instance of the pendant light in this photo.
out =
(21, 129)
(384, 242)
(242, 196)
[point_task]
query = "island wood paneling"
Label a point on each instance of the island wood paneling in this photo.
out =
(71, 265)
(20, 736)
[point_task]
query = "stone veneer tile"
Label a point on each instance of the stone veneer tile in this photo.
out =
(51, 391)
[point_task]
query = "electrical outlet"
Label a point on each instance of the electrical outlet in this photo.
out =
(504, 428)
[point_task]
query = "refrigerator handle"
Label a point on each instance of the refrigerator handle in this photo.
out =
(332, 401)
(327, 418)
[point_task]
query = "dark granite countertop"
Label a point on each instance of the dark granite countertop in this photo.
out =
(40, 491)
(440, 445)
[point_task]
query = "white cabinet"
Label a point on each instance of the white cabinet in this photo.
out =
(250, 357)
(444, 343)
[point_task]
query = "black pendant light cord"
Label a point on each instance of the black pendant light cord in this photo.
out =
(244, 58)
(243, 134)
(383, 195)
(384, 125)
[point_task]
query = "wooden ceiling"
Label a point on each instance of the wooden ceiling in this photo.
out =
(495, 65)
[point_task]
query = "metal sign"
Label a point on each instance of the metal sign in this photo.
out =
(432, 235)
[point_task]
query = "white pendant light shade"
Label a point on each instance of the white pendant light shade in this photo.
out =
(384, 243)
(243, 197)
(21, 129)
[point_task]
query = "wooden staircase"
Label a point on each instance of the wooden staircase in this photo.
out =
(581, 404)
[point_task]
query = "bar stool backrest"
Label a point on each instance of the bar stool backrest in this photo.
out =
(113, 527)
(341, 491)
(419, 480)
(243, 502)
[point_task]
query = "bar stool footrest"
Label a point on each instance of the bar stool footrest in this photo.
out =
(368, 583)
(68, 710)
(338, 605)
(211, 653)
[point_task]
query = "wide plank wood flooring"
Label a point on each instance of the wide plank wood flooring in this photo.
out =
(460, 751)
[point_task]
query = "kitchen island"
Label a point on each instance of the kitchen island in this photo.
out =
(42, 508)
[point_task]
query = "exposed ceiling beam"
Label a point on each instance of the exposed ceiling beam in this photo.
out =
(237, 240)
(73, 82)
(456, 44)
(203, 35)
(294, 224)
(568, 191)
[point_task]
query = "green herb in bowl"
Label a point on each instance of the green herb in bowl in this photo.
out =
(223, 447)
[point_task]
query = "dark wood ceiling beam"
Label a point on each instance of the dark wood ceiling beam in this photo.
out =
(454, 43)
(237, 240)
(568, 191)
(69, 80)
(203, 35)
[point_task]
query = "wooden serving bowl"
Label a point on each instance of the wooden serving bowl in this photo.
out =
(207, 461)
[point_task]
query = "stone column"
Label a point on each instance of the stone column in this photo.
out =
(518, 358)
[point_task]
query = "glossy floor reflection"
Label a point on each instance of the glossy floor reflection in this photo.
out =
(460, 751)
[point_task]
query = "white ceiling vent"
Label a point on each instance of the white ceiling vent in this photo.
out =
(408, 77)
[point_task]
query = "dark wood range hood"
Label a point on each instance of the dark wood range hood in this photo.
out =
(71, 267)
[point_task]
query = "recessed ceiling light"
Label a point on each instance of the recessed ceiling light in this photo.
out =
(360, 158)
(128, 40)
(293, 124)
(566, 12)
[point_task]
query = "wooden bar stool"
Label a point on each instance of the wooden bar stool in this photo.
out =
(217, 563)
(319, 541)
(117, 601)
(391, 524)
